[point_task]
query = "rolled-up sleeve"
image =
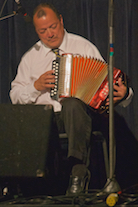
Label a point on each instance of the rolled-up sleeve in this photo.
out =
(127, 101)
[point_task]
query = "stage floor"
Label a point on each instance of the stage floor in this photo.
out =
(95, 199)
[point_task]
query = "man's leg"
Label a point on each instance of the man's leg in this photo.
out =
(77, 125)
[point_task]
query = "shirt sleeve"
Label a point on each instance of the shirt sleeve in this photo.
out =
(128, 100)
(22, 87)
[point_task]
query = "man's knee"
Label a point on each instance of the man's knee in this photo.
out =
(72, 103)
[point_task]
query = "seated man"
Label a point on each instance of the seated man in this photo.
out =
(35, 79)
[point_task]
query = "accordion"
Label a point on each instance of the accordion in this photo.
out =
(83, 78)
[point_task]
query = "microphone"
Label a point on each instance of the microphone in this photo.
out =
(22, 11)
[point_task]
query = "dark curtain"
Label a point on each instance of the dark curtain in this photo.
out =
(88, 18)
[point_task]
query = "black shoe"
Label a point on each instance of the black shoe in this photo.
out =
(79, 180)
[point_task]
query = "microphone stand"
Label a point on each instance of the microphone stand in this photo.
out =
(111, 186)
(8, 16)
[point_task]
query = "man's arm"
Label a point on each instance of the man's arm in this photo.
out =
(25, 92)
(121, 94)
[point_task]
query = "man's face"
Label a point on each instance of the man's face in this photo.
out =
(49, 28)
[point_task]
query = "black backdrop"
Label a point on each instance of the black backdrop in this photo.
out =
(88, 18)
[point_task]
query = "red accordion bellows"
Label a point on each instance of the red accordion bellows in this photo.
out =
(85, 78)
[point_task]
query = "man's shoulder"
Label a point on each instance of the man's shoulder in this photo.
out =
(78, 44)
(33, 50)
(79, 41)
(77, 37)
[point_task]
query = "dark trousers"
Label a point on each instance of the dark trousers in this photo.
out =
(78, 120)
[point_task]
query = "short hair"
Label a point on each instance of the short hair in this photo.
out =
(41, 12)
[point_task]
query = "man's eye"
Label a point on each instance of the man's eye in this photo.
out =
(54, 26)
(42, 31)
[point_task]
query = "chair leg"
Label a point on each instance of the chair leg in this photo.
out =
(99, 137)
(106, 160)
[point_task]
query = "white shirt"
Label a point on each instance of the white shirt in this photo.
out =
(38, 60)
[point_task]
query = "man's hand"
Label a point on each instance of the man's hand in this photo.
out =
(45, 81)
(119, 93)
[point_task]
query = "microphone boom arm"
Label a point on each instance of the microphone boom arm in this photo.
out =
(8, 16)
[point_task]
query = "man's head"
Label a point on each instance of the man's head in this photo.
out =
(48, 25)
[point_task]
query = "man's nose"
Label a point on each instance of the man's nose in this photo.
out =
(49, 33)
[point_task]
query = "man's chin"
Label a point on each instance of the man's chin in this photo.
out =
(52, 45)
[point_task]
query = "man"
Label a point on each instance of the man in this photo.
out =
(35, 79)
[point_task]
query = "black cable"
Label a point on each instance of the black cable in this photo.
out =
(93, 196)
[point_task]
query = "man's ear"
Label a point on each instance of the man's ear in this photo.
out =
(61, 19)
